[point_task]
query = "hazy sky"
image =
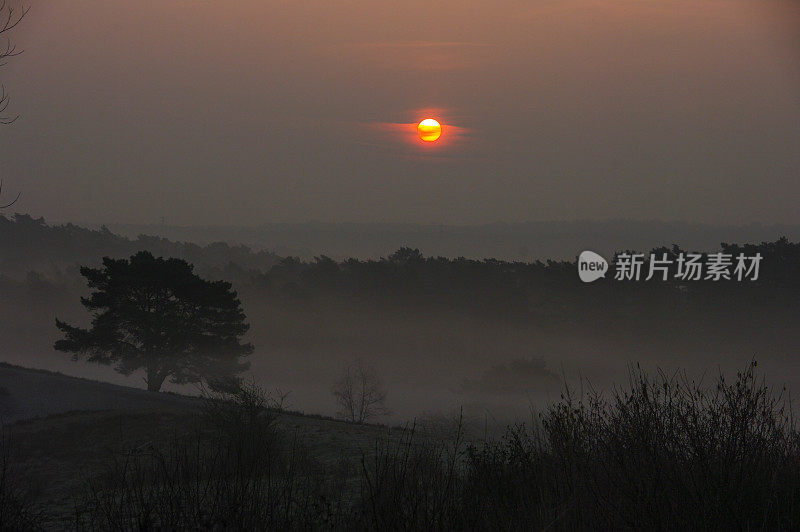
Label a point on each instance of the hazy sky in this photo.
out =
(251, 111)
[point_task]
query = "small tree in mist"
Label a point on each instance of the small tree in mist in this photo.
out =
(359, 393)
(156, 314)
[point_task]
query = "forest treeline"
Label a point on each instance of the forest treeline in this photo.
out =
(550, 294)
(294, 303)
(30, 244)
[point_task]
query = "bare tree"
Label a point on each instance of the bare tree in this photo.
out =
(10, 16)
(359, 393)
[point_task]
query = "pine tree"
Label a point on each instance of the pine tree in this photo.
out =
(156, 314)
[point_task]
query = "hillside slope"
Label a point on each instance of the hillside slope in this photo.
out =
(63, 433)
(28, 393)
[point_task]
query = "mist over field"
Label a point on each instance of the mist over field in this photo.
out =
(495, 338)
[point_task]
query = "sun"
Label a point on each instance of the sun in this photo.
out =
(429, 130)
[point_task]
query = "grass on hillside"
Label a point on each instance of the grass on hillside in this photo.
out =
(660, 453)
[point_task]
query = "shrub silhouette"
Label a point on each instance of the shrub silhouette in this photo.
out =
(663, 453)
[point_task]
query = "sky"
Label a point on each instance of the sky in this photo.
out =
(241, 112)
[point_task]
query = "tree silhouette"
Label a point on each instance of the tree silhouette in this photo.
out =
(156, 314)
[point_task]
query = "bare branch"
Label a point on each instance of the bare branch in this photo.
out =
(12, 17)
(13, 202)
(9, 18)
(5, 99)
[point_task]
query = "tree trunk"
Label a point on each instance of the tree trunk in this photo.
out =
(154, 379)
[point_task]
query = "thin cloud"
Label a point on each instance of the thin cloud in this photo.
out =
(417, 44)
(415, 55)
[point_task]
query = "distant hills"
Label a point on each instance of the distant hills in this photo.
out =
(507, 241)
(28, 242)
(31, 244)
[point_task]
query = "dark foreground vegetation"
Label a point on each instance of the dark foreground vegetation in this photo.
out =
(660, 453)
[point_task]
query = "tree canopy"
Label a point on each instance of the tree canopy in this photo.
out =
(156, 314)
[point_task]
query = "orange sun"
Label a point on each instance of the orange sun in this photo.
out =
(429, 130)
